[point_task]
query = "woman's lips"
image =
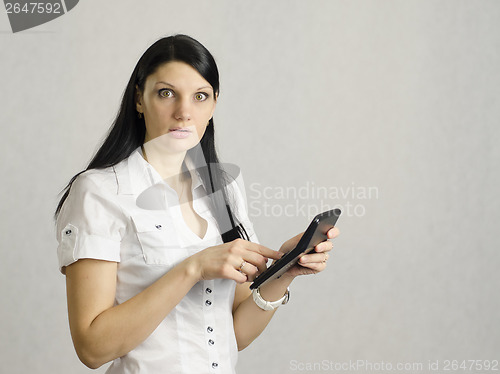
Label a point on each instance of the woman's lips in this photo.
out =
(180, 133)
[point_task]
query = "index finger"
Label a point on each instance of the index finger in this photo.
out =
(333, 233)
(264, 251)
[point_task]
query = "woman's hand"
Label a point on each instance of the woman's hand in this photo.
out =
(313, 262)
(239, 260)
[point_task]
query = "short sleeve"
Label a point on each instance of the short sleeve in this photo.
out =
(236, 191)
(90, 223)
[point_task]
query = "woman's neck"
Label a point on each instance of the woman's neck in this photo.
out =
(168, 165)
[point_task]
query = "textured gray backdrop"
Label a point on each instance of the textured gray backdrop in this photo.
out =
(388, 109)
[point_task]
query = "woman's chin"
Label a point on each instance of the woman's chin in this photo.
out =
(174, 142)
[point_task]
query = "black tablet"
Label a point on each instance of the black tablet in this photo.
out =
(315, 234)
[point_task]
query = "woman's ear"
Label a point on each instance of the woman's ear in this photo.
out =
(138, 100)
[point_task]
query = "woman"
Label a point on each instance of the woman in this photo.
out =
(154, 238)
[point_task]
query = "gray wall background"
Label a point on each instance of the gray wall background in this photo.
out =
(398, 96)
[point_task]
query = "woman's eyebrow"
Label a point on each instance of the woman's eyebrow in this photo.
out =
(165, 83)
(171, 85)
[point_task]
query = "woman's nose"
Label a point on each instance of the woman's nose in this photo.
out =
(183, 110)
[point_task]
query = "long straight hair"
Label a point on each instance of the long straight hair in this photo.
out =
(128, 130)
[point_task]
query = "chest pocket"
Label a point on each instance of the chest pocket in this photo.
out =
(158, 239)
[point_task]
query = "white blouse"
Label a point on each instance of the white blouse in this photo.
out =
(128, 214)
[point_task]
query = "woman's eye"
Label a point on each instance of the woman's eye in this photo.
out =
(165, 93)
(200, 96)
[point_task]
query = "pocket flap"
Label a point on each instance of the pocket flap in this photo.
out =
(150, 223)
(158, 239)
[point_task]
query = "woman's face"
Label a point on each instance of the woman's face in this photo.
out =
(177, 103)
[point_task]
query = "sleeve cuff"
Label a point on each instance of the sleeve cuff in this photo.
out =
(74, 247)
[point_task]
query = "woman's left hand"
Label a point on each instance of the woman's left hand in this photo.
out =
(313, 262)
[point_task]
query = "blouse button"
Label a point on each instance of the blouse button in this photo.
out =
(208, 302)
(208, 290)
(158, 227)
(214, 365)
(211, 342)
(209, 329)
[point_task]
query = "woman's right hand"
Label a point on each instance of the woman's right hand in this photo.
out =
(239, 260)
